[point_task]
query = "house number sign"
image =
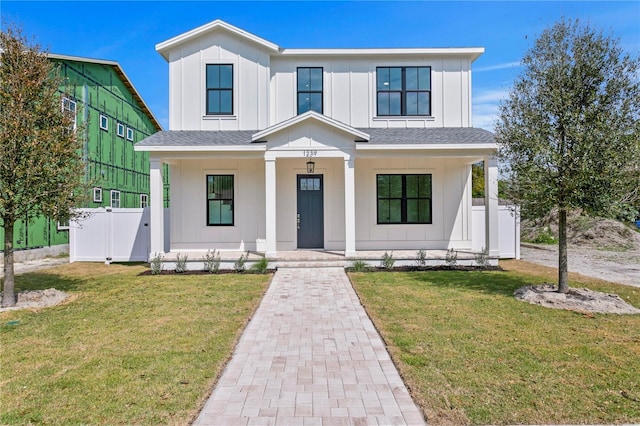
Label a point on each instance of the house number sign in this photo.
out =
(310, 153)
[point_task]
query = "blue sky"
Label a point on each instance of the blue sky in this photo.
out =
(127, 32)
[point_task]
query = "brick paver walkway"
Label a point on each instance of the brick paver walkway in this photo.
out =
(310, 356)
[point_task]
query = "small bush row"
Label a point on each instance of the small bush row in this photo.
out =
(211, 262)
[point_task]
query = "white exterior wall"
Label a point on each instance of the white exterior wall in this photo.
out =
(451, 205)
(189, 230)
(187, 83)
(349, 90)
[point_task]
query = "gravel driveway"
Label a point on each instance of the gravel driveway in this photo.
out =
(618, 267)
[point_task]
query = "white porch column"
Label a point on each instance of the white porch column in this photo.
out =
(349, 207)
(491, 206)
(156, 187)
(270, 207)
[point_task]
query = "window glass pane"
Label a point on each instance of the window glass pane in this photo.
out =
(395, 78)
(424, 211)
(226, 213)
(395, 186)
(383, 186)
(226, 76)
(214, 212)
(383, 78)
(394, 104)
(304, 103)
(395, 211)
(425, 186)
(226, 102)
(412, 103)
(213, 76)
(424, 78)
(383, 211)
(383, 103)
(303, 184)
(316, 184)
(303, 79)
(412, 211)
(316, 102)
(423, 103)
(213, 102)
(316, 79)
(411, 78)
(412, 186)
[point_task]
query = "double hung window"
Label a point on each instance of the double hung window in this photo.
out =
(219, 89)
(115, 199)
(404, 198)
(403, 91)
(220, 200)
(309, 90)
(69, 107)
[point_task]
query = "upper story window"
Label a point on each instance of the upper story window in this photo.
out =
(121, 130)
(310, 90)
(403, 91)
(129, 133)
(219, 89)
(69, 107)
(104, 122)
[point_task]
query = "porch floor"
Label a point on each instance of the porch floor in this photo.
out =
(327, 258)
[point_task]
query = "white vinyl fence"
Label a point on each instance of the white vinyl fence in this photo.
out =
(122, 235)
(112, 235)
(508, 233)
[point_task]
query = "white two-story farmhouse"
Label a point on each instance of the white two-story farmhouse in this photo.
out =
(274, 149)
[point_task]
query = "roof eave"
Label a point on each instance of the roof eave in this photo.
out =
(309, 115)
(166, 46)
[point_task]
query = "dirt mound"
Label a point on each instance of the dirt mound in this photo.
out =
(38, 299)
(585, 231)
(577, 299)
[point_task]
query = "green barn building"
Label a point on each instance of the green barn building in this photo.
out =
(112, 117)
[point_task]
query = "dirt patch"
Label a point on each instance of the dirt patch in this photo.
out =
(37, 299)
(577, 299)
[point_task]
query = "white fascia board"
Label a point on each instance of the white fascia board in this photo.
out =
(472, 52)
(164, 47)
(202, 148)
(309, 115)
(458, 147)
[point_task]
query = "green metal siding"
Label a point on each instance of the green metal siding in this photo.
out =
(111, 162)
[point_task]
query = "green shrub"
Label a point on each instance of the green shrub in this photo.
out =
(211, 261)
(261, 266)
(156, 264)
(359, 265)
(181, 263)
(421, 258)
(387, 261)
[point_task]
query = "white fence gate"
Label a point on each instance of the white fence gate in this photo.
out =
(112, 235)
(508, 232)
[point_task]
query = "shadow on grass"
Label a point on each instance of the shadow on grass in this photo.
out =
(43, 281)
(494, 282)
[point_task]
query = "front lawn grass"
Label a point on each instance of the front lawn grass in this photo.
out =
(127, 349)
(472, 354)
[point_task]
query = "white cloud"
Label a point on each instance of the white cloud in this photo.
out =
(506, 65)
(485, 107)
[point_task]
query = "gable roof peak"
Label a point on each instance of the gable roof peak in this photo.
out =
(166, 46)
(310, 116)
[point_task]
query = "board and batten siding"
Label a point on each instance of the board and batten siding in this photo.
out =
(265, 86)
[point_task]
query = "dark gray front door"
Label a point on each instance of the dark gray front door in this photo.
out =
(310, 212)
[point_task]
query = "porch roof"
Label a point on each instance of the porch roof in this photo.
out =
(238, 139)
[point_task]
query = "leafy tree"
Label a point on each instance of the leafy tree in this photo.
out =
(568, 131)
(41, 168)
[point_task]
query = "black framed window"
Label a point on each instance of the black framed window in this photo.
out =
(403, 198)
(219, 89)
(309, 89)
(219, 200)
(403, 91)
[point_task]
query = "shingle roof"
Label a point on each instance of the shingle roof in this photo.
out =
(439, 135)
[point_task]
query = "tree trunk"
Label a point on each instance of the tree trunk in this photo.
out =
(8, 293)
(563, 268)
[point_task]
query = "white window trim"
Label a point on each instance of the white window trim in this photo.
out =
(129, 134)
(97, 195)
(106, 122)
(146, 200)
(120, 130)
(75, 109)
(61, 227)
(112, 193)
